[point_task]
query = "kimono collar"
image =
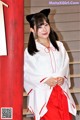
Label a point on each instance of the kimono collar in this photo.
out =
(46, 49)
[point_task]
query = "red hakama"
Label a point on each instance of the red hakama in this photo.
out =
(57, 106)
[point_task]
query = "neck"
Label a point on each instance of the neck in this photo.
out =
(45, 42)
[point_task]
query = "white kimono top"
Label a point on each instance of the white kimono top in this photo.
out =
(46, 63)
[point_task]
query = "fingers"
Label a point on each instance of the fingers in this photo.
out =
(60, 81)
(52, 82)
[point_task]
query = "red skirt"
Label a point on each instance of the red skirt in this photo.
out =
(57, 106)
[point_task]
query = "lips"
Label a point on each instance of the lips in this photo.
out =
(45, 33)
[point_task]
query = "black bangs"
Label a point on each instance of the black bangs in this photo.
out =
(39, 20)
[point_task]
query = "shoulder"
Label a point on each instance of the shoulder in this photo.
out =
(26, 53)
(28, 57)
(61, 45)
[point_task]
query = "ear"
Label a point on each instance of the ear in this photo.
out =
(31, 30)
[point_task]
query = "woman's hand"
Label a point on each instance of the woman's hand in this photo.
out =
(60, 80)
(51, 82)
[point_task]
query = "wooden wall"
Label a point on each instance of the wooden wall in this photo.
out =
(65, 20)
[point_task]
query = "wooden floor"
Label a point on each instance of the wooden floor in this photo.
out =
(26, 118)
(77, 117)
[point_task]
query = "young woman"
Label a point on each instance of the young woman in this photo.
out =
(46, 72)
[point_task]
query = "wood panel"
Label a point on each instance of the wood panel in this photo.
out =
(65, 20)
(69, 26)
(58, 17)
(27, 3)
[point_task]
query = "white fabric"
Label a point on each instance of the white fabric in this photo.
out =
(45, 64)
(3, 49)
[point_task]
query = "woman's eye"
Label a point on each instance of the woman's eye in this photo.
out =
(39, 26)
(46, 24)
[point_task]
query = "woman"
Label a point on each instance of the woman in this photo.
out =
(46, 72)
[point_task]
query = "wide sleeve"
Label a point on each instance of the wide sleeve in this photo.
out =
(32, 78)
(63, 70)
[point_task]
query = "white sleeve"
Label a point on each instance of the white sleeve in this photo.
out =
(31, 77)
(64, 67)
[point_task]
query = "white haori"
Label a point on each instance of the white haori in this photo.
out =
(46, 63)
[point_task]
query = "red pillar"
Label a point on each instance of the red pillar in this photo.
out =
(11, 66)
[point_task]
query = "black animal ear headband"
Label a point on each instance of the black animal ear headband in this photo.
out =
(44, 11)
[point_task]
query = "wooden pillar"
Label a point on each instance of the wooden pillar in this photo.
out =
(11, 66)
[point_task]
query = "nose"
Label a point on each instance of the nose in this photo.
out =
(44, 28)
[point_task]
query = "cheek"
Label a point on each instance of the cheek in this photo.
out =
(39, 32)
(49, 29)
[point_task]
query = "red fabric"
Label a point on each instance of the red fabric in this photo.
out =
(57, 106)
(11, 66)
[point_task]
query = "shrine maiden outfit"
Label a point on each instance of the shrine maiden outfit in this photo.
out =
(46, 63)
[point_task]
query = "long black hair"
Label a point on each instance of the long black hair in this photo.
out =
(38, 20)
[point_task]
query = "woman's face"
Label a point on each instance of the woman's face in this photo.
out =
(43, 31)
